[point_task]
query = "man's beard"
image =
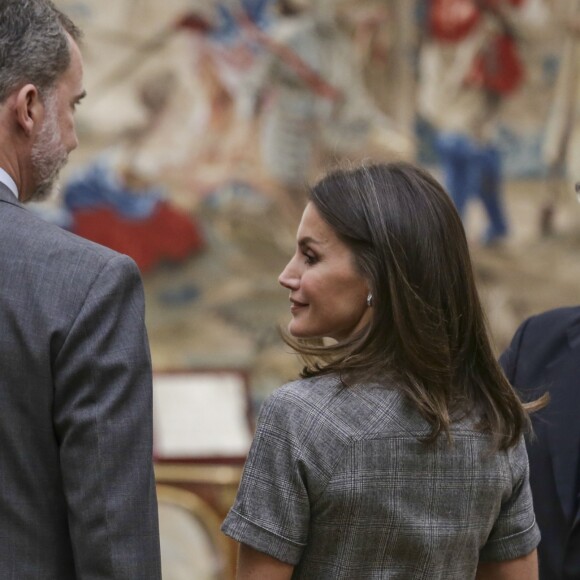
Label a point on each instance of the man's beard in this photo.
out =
(48, 155)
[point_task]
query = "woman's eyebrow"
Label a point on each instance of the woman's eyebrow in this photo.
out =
(307, 240)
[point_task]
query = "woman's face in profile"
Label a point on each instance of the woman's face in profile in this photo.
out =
(328, 296)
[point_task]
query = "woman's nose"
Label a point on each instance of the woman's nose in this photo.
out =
(289, 277)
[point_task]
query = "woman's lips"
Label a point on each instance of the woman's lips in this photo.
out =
(295, 306)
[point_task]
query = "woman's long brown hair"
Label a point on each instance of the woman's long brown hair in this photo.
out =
(428, 334)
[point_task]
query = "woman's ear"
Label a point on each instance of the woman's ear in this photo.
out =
(28, 108)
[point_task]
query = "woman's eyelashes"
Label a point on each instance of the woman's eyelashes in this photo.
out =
(309, 258)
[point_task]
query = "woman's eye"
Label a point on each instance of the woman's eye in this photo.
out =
(309, 259)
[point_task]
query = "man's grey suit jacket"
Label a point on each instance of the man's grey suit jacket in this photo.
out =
(77, 491)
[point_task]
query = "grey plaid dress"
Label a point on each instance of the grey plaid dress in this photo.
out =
(337, 484)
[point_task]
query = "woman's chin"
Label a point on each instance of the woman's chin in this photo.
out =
(306, 334)
(297, 331)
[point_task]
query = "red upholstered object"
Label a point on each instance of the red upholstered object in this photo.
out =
(167, 234)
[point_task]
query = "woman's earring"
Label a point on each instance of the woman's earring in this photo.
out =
(370, 299)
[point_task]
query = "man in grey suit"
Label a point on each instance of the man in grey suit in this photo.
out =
(77, 491)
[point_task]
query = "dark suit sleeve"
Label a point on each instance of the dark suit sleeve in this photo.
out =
(103, 423)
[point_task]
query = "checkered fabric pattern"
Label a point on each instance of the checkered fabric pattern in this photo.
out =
(338, 484)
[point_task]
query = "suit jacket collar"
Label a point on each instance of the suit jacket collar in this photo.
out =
(7, 180)
(7, 196)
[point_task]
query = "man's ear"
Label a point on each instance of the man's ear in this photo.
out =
(29, 108)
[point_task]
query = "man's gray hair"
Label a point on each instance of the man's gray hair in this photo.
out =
(34, 47)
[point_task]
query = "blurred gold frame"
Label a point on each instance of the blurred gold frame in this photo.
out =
(205, 515)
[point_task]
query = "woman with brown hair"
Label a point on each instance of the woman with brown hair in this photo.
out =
(399, 454)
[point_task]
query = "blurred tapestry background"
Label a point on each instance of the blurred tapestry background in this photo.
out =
(205, 120)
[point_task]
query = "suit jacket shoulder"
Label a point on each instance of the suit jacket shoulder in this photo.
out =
(24, 231)
(539, 341)
(35, 254)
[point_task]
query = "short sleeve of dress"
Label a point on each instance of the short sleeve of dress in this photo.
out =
(271, 512)
(515, 532)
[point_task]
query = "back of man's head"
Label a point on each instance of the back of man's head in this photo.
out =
(33, 44)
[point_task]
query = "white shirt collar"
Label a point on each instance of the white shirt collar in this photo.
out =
(8, 182)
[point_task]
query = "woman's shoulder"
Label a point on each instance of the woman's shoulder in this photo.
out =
(355, 411)
(330, 392)
(303, 396)
(310, 388)
(300, 414)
